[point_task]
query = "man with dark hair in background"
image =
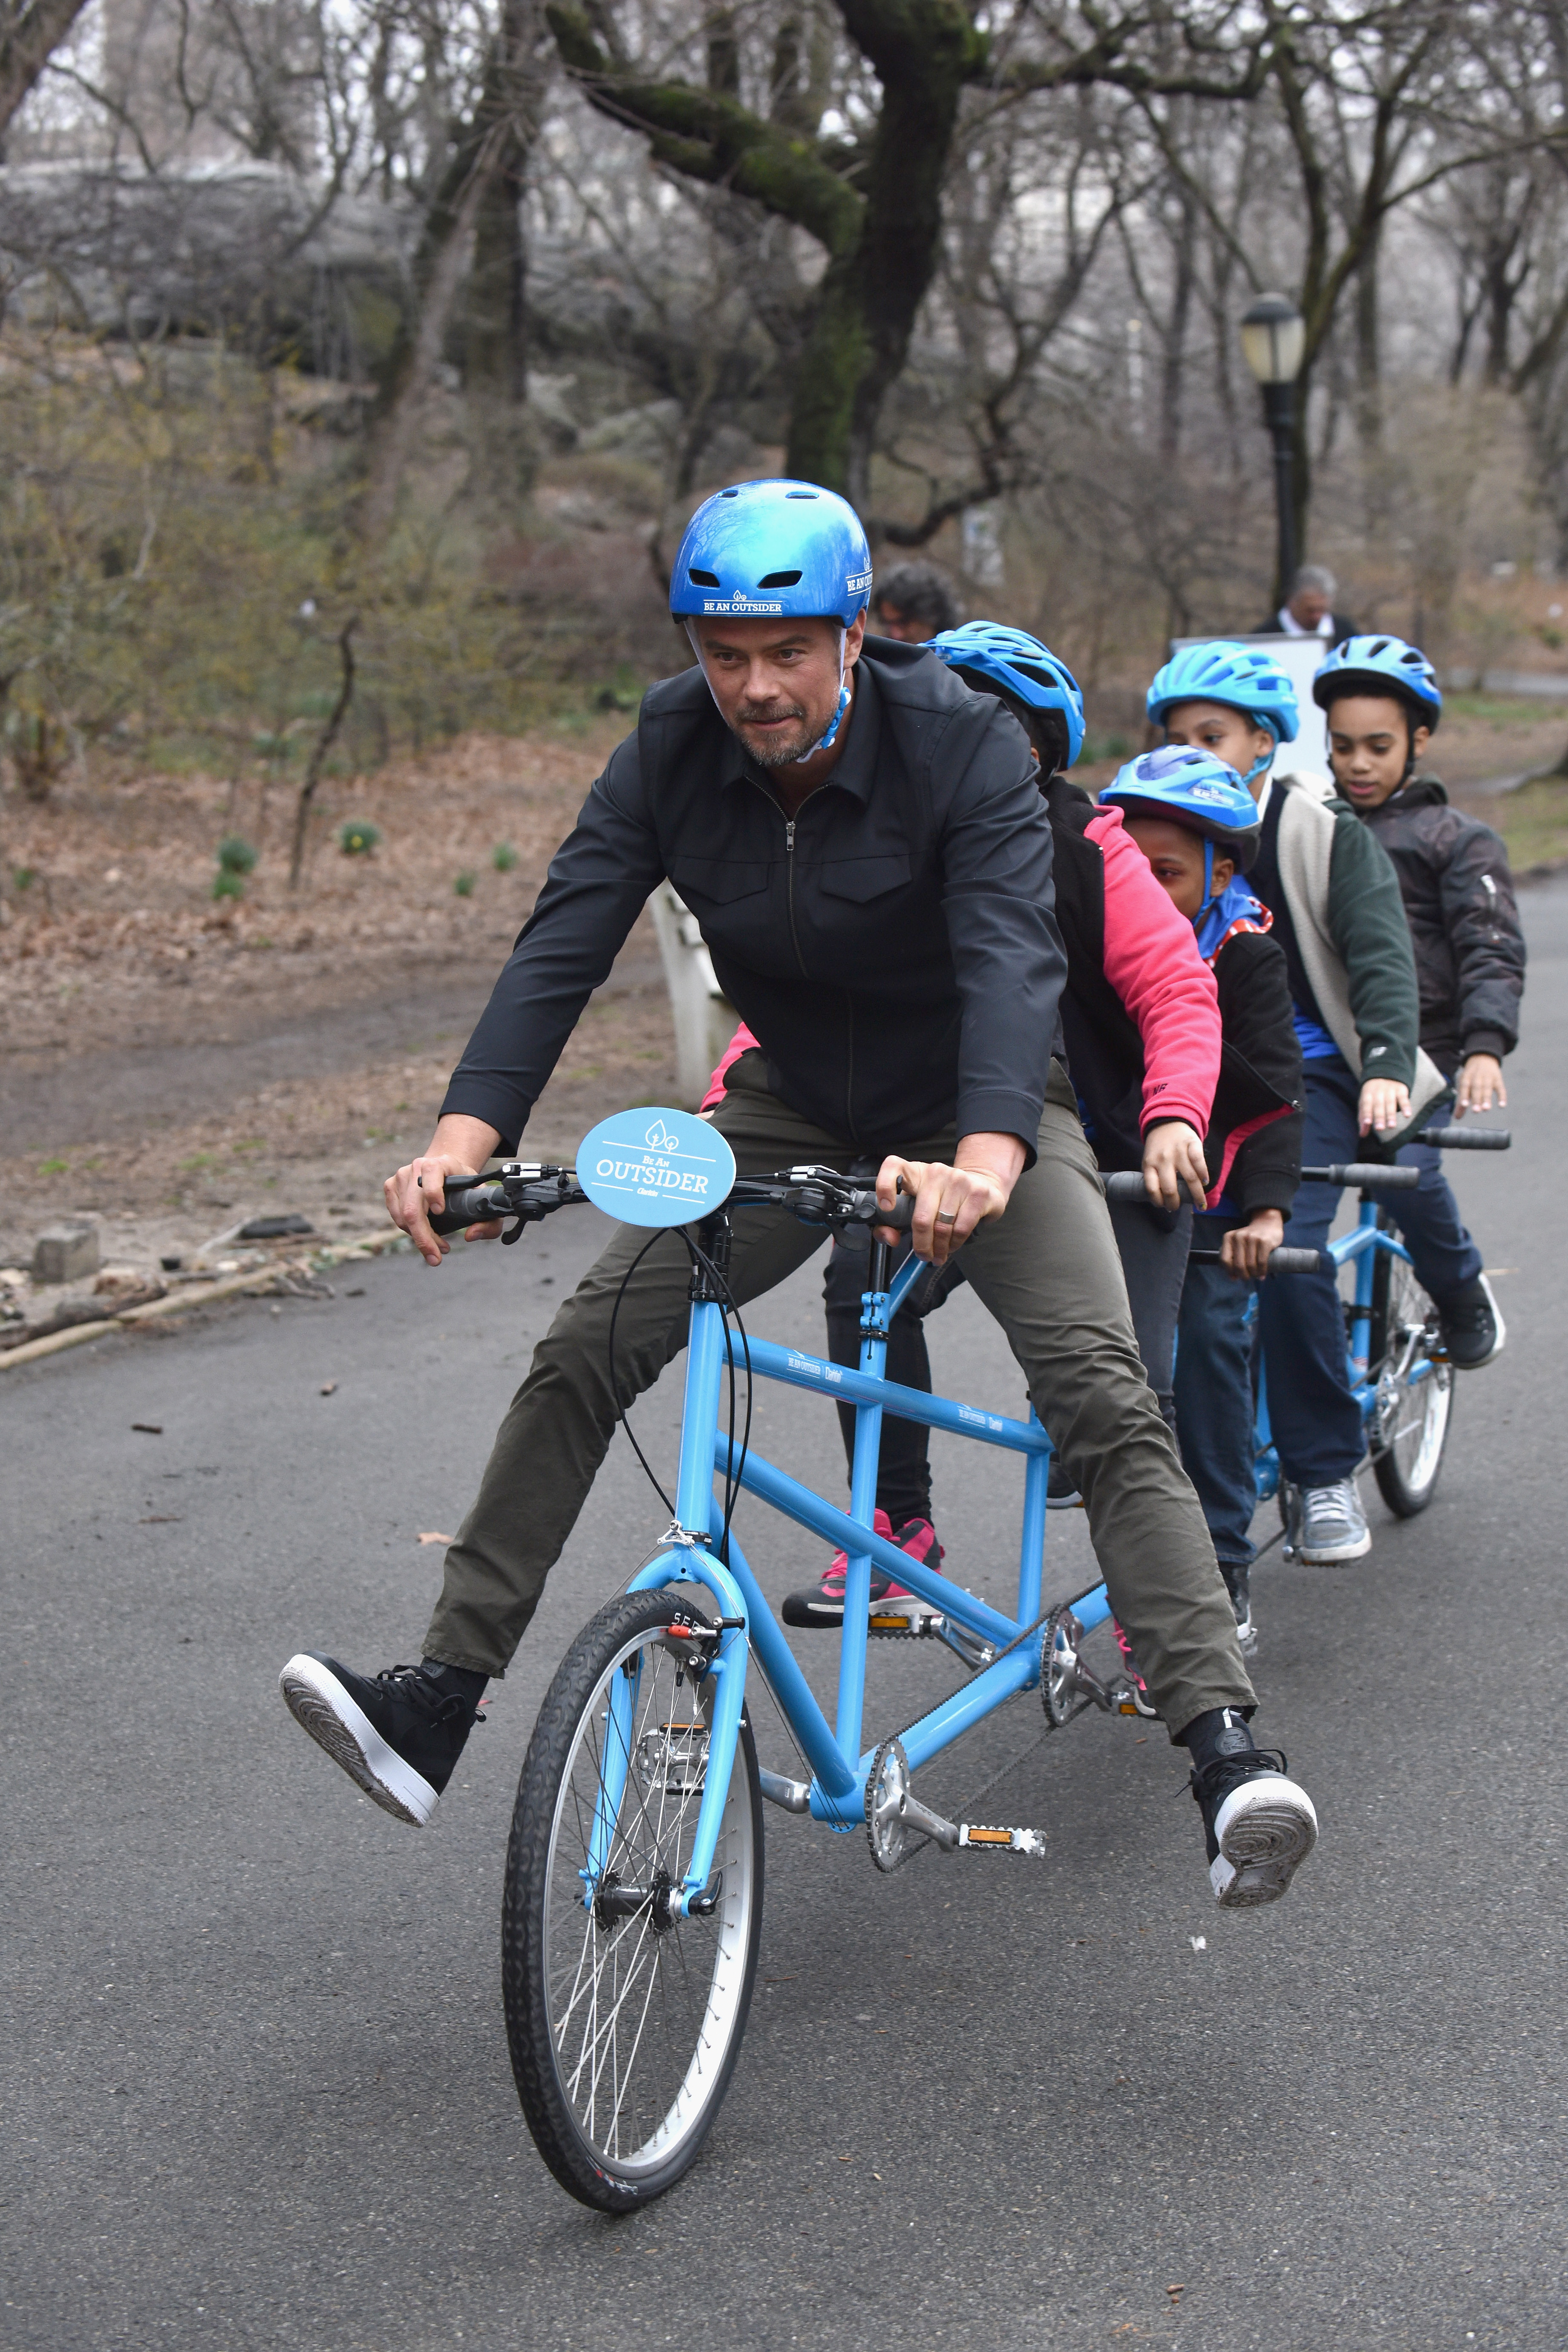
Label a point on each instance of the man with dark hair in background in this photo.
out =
(913, 602)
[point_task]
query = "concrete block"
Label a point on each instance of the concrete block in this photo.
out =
(66, 1253)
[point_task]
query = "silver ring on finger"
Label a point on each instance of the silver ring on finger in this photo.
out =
(947, 1216)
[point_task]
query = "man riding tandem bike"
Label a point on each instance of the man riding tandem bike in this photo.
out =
(863, 841)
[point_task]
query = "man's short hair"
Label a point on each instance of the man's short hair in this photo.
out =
(1316, 575)
(919, 591)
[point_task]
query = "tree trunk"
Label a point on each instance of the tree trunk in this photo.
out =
(29, 35)
(871, 295)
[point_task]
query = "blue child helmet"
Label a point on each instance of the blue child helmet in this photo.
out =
(769, 548)
(993, 656)
(1381, 666)
(1192, 788)
(1244, 677)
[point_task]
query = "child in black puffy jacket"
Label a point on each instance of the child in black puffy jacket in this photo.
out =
(1383, 704)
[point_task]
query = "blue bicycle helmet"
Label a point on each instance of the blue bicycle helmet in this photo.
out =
(1191, 788)
(1244, 677)
(994, 659)
(770, 548)
(1381, 665)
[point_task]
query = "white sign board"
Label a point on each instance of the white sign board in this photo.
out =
(1300, 658)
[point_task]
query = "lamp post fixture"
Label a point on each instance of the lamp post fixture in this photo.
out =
(1274, 342)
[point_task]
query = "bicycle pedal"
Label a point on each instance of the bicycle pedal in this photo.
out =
(984, 1840)
(895, 1621)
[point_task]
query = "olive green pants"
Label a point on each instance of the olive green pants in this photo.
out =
(1048, 1270)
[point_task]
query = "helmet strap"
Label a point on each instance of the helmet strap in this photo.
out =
(1208, 879)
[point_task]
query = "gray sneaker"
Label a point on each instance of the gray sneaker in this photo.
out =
(1333, 1525)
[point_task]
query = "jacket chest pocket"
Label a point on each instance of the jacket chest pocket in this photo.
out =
(719, 881)
(859, 880)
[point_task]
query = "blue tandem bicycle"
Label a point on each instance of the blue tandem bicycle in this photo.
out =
(632, 1913)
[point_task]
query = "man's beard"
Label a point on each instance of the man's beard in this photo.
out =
(774, 753)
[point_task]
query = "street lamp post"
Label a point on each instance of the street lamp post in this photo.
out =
(1273, 342)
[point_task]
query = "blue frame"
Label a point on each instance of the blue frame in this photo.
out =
(839, 1765)
(1359, 1248)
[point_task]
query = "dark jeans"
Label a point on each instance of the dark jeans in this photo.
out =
(1215, 1406)
(1154, 1253)
(1315, 1420)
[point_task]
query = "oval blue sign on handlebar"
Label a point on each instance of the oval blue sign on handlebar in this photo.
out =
(654, 1167)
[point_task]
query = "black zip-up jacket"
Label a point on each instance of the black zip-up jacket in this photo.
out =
(1464, 922)
(893, 948)
(1260, 1062)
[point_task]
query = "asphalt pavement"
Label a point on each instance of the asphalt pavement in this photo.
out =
(254, 2076)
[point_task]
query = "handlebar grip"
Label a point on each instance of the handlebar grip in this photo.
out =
(901, 1215)
(1300, 1261)
(1367, 1175)
(1125, 1185)
(470, 1204)
(1466, 1138)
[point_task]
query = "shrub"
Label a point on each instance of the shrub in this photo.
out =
(235, 855)
(463, 886)
(228, 886)
(358, 837)
(503, 858)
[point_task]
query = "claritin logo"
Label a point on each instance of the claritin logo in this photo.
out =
(659, 1138)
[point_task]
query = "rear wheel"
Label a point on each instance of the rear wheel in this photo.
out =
(624, 2019)
(1414, 1399)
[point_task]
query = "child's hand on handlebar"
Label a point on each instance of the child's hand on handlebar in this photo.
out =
(1246, 1251)
(459, 1148)
(950, 1201)
(1384, 1103)
(1479, 1085)
(1174, 1156)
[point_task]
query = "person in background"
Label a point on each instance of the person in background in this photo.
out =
(1383, 705)
(1306, 612)
(913, 602)
(1337, 915)
(1198, 824)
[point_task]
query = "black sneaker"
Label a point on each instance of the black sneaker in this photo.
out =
(1260, 1827)
(1061, 1487)
(1474, 1332)
(398, 1735)
(1238, 1584)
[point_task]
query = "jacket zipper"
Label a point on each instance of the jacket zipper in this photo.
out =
(789, 892)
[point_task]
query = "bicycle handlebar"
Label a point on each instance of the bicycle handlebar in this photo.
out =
(1370, 1175)
(529, 1191)
(1466, 1138)
(1281, 1260)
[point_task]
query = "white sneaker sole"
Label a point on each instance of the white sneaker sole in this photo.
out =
(320, 1706)
(1327, 1555)
(1265, 1829)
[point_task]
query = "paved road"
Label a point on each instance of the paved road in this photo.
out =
(256, 2084)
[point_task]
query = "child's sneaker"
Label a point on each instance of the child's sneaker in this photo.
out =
(823, 1603)
(1237, 1576)
(1137, 1700)
(1474, 1332)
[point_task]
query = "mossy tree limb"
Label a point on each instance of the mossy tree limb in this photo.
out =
(875, 209)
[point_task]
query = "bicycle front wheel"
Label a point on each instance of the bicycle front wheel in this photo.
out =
(1410, 1416)
(625, 2022)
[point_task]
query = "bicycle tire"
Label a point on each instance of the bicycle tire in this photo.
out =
(618, 2127)
(1406, 1445)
